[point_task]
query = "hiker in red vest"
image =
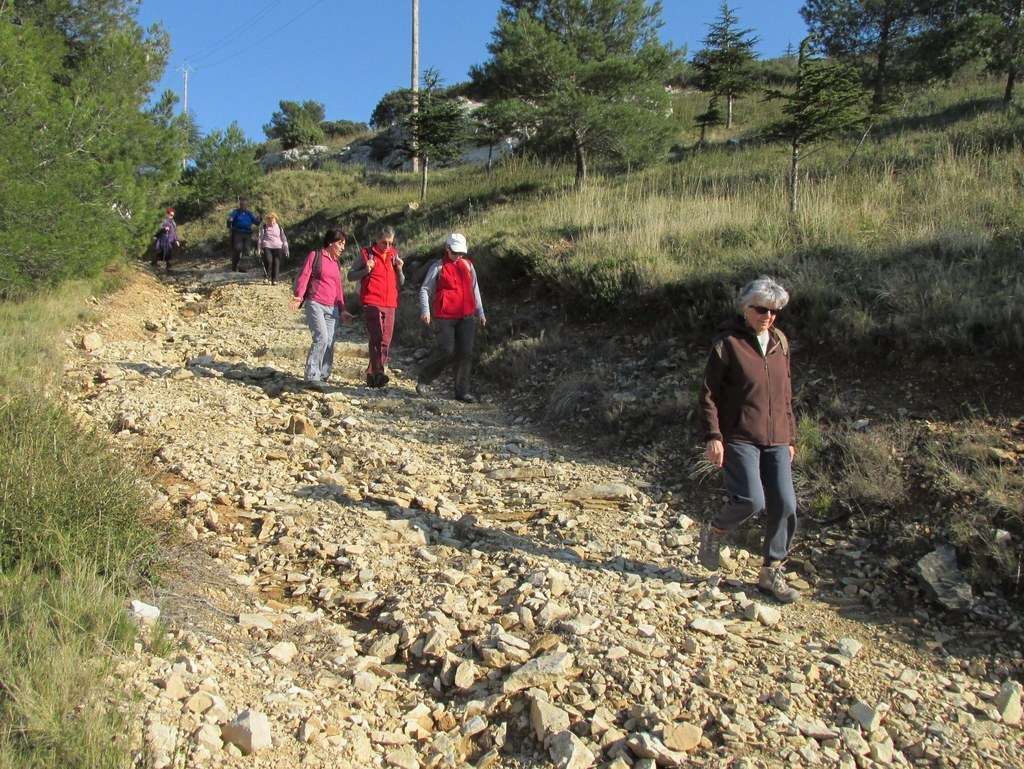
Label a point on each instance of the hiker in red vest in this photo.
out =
(379, 272)
(450, 303)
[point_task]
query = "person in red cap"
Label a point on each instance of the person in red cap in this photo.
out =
(166, 239)
(450, 303)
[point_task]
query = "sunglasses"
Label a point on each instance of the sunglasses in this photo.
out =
(764, 310)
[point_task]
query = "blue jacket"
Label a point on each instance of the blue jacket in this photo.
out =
(242, 220)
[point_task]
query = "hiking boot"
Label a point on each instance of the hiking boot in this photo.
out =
(422, 389)
(382, 380)
(466, 398)
(771, 580)
(710, 551)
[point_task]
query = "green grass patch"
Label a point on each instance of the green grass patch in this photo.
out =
(72, 544)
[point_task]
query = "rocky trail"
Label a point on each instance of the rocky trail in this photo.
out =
(361, 578)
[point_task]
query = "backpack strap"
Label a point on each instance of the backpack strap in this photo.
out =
(783, 342)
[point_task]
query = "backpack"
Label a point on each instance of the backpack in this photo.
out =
(314, 277)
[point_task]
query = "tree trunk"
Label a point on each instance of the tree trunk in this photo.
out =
(882, 64)
(490, 157)
(1011, 79)
(728, 110)
(423, 178)
(794, 177)
(581, 164)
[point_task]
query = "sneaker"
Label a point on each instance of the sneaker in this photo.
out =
(466, 398)
(771, 580)
(710, 551)
(422, 389)
(315, 384)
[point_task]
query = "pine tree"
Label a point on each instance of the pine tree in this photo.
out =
(81, 154)
(724, 65)
(296, 125)
(438, 128)
(591, 72)
(876, 35)
(828, 101)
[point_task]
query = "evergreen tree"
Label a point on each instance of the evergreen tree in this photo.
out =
(437, 129)
(1000, 27)
(224, 168)
(82, 157)
(828, 101)
(296, 125)
(592, 72)
(876, 35)
(725, 65)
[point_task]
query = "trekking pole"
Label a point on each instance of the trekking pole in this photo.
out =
(259, 258)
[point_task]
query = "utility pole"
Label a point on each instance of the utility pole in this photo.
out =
(415, 68)
(185, 69)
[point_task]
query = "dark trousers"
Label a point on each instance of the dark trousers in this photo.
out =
(452, 338)
(380, 327)
(759, 479)
(241, 242)
(272, 262)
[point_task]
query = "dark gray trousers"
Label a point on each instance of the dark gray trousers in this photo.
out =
(759, 479)
(452, 338)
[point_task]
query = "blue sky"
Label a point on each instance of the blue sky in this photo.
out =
(245, 57)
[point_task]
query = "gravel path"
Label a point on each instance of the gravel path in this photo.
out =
(366, 578)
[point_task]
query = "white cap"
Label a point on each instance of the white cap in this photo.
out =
(456, 242)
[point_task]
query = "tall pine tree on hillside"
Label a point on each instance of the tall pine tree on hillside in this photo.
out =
(828, 100)
(438, 127)
(592, 73)
(724, 65)
(875, 35)
(82, 157)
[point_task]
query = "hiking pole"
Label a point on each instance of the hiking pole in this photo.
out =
(259, 258)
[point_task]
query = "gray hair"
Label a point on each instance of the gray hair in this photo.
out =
(762, 291)
(387, 231)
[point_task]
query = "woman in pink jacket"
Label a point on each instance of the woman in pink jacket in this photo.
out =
(319, 287)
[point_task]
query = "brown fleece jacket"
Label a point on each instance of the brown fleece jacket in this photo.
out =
(747, 397)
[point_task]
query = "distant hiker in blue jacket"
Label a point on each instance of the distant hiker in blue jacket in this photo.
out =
(240, 224)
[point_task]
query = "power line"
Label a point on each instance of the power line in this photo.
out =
(256, 43)
(215, 48)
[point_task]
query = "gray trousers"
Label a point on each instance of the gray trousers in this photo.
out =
(759, 479)
(322, 320)
(452, 338)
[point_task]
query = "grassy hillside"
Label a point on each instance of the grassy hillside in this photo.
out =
(72, 544)
(904, 262)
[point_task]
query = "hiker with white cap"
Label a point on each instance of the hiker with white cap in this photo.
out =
(450, 304)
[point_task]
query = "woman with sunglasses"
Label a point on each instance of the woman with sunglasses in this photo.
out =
(746, 419)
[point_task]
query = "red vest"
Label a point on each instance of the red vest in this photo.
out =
(380, 287)
(453, 296)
